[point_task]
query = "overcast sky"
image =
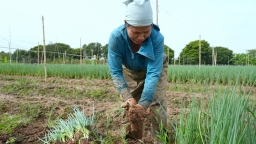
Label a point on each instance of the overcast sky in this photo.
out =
(227, 23)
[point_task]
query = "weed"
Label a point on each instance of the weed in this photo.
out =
(33, 110)
(50, 117)
(97, 94)
(9, 122)
(11, 141)
(162, 134)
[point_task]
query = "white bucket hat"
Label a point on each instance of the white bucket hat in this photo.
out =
(138, 12)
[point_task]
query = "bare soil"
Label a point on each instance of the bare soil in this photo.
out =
(57, 96)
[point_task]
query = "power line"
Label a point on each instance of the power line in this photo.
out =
(22, 40)
(53, 20)
(41, 51)
(8, 47)
(172, 16)
(3, 38)
(15, 44)
(83, 26)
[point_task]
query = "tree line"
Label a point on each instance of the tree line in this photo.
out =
(214, 55)
(63, 53)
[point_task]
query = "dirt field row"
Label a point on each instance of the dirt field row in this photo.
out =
(43, 102)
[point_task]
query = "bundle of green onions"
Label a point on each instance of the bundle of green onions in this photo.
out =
(66, 129)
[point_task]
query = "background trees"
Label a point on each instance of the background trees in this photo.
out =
(63, 53)
(105, 51)
(171, 54)
(224, 56)
(252, 56)
(190, 54)
(245, 59)
(92, 51)
(239, 59)
(3, 57)
(252, 53)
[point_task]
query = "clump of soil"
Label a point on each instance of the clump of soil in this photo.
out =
(26, 134)
(135, 117)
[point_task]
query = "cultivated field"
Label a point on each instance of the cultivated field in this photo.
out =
(206, 105)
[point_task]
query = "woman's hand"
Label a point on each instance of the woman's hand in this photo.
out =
(138, 106)
(129, 103)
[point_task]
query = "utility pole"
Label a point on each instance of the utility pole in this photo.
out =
(92, 56)
(157, 12)
(38, 54)
(45, 70)
(213, 55)
(183, 59)
(54, 52)
(63, 61)
(10, 53)
(17, 54)
(248, 58)
(42, 56)
(199, 51)
(80, 52)
(98, 56)
(173, 58)
(215, 59)
(65, 57)
(179, 60)
(168, 56)
(58, 51)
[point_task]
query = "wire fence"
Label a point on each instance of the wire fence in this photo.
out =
(37, 57)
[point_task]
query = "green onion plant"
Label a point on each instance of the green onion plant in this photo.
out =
(66, 129)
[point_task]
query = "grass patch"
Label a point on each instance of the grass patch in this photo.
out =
(9, 122)
(31, 87)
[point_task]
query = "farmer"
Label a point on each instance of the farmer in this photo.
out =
(138, 65)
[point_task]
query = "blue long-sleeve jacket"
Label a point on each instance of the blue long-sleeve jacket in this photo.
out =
(149, 58)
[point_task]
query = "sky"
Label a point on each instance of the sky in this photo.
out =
(226, 23)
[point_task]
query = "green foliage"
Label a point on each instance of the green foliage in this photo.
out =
(33, 110)
(245, 59)
(5, 59)
(105, 51)
(211, 75)
(98, 94)
(252, 53)
(239, 59)
(176, 74)
(171, 54)
(60, 53)
(224, 55)
(190, 54)
(9, 122)
(225, 120)
(57, 70)
(92, 49)
(11, 140)
(24, 56)
(65, 130)
(162, 134)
